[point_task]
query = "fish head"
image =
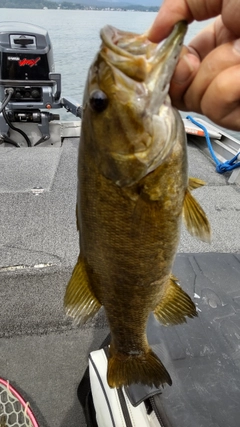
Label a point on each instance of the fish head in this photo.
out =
(127, 111)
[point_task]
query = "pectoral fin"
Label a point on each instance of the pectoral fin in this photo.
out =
(80, 301)
(195, 219)
(175, 305)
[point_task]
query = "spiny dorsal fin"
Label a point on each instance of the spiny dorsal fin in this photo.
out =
(175, 305)
(195, 219)
(194, 183)
(79, 300)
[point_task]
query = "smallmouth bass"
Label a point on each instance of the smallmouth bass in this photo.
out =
(133, 190)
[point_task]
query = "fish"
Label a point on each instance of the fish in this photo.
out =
(133, 194)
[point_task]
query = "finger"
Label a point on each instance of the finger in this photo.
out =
(183, 76)
(231, 15)
(173, 11)
(210, 37)
(169, 14)
(204, 41)
(220, 59)
(221, 101)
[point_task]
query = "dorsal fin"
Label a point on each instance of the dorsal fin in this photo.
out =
(195, 219)
(194, 183)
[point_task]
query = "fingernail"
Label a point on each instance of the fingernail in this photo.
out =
(186, 66)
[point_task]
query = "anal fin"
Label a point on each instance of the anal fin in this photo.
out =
(175, 305)
(80, 301)
(195, 219)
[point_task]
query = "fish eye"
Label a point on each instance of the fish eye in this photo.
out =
(98, 101)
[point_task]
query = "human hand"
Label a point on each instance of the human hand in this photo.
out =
(206, 77)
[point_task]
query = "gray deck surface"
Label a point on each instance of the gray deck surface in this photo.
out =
(41, 352)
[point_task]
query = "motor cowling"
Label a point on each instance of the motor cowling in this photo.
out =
(26, 65)
(28, 85)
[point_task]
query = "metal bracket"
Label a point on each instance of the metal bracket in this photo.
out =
(4, 128)
(44, 126)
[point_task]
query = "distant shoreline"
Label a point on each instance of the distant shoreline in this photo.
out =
(105, 9)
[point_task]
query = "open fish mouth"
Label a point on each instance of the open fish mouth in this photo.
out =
(144, 61)
(130, 79)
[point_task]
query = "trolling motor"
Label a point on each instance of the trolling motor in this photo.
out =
(28, 83)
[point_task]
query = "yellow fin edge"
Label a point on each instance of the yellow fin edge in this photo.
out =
(80, 301)
(195, 219)
(175, 305)
(194, 183)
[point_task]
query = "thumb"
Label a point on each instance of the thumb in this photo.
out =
(183, 76)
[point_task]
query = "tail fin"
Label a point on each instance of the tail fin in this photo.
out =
(146, 368)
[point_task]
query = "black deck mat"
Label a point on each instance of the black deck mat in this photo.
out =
(203, 356)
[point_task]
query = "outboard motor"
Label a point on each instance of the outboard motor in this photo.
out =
(28, 82)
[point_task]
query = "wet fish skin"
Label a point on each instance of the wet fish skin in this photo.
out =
(132, 191)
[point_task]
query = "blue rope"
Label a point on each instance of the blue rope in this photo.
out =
(227, 166)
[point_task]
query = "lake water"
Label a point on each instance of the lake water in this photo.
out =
(75, 38)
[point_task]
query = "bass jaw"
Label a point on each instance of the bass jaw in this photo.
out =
(133, 74)
(155, 62)
(162, 66)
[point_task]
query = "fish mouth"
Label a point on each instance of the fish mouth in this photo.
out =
(143, 61)
(134, 74)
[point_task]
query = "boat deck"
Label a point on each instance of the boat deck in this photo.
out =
(42, 353)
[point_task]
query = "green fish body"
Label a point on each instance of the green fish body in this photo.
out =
(133, 191)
